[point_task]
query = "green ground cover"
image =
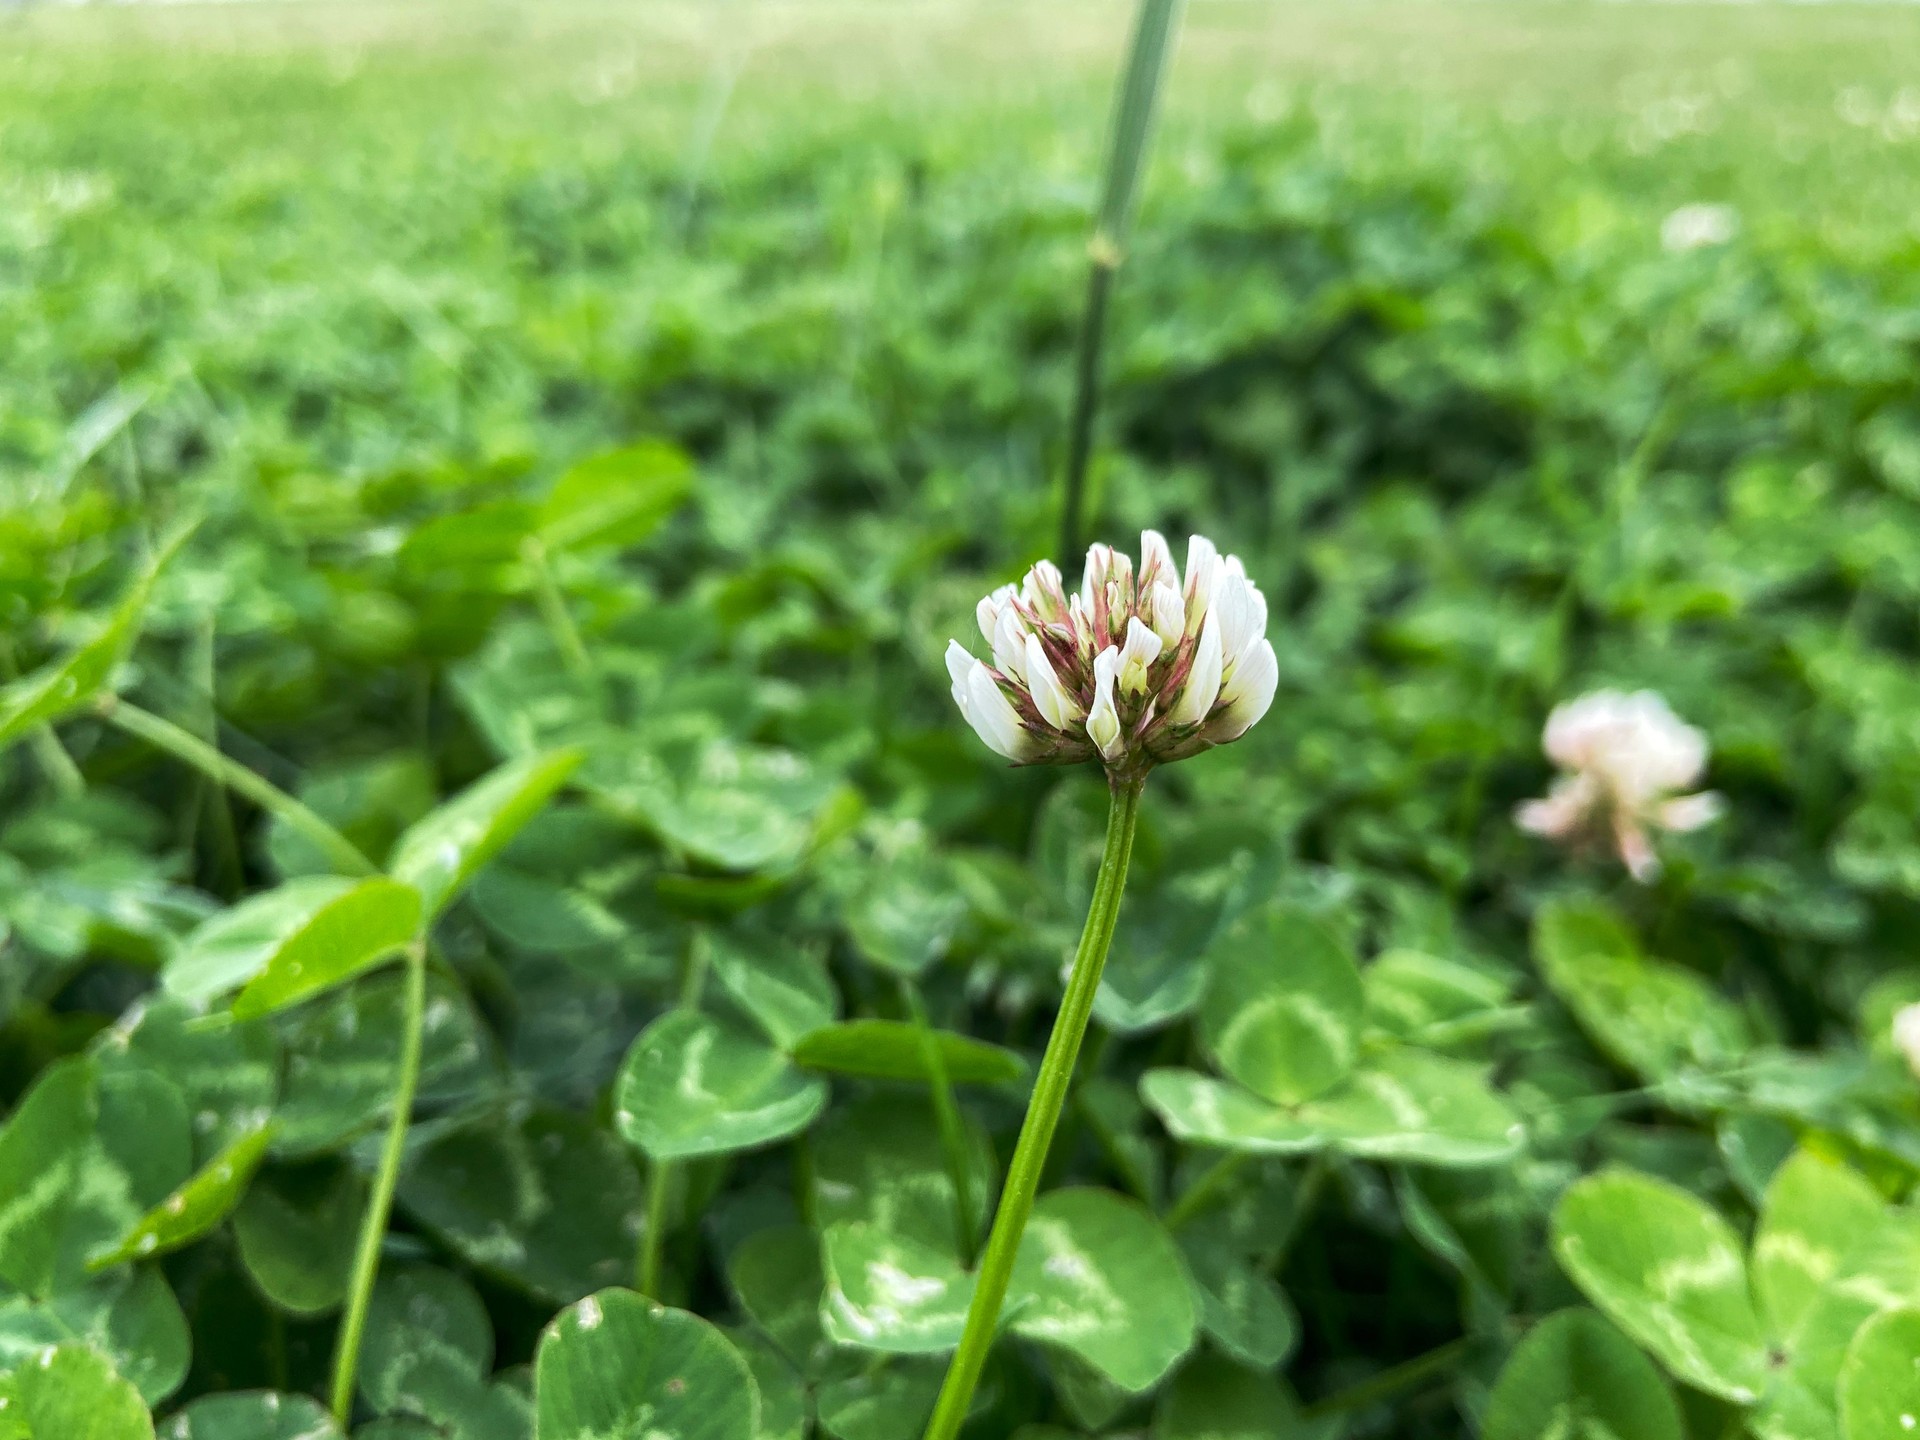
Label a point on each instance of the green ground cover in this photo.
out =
(655, 389)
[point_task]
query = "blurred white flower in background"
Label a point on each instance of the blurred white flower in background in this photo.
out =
(1695, 227)
(1906, 1035)
(1626, 759)
(1138, 667)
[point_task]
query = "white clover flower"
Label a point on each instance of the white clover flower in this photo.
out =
(1698, 227)
(1906, 1035)
(1625, 758)
(1137, 667)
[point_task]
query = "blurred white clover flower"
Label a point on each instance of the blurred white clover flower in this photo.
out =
(1697, 227)
(1906, 1035)
(1137, 668)
(1626, 757)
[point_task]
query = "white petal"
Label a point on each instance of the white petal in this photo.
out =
(959, 665)
(1010, 646)
(1906, 1035)
(1203, 680)
(1690, 812)
(1045, 592)
(1099, 569)
(1059, 708)
(1248, 694)
(987, 612)
(1203, 565)
(993, 717)
(1103, 721)
(1242, 612)
(1156, 560)
(1169, 613)
(1141, 650)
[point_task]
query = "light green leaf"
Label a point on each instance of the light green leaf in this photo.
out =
(545, 1201)
(131, 1317)
(70, 1392)
(230, 948)
(860, 1399)
(1203, 1111)
(1156, 971)
(777, 1276)
(1665, 1268)
(1099, 1276)
(1816, 1213)
(442, 851)
(880, 1161)
(693, 1085)
(251, 1415)
(342, 937)
(905, 915)
(1242, 1309)
(1213, 1399)
(783, 1395)
(296, 1231)
(196, 1207)
(1575, 1377)
(892, 1293)
(1426, 999)
(894, 1050)
(1420, 1109)
(343, 1055)
(618, 1365)
(786, 991)
(1654, 1018)
(428, 1346)
(1880, 1382)
(616, 498)
(1282, 1010)
(62, 688)
(42, 1151)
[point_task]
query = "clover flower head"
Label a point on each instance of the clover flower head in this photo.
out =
(1137, 667)
(1906, 1035)
(1624, 758)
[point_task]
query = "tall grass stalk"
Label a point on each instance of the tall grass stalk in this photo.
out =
(1133, 112)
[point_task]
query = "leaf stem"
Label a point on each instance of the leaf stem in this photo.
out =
(1389, 1382)
(946, 1114)
(553, 609)
(1043, 1116)
(1202, 1193)
(185, 746)
(662, 1174)
(373, 1226)
(653, 1239)
(1133, 111)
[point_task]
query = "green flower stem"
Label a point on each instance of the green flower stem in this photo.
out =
(190, 748)
(373, 1226)
(1043, 1115)
(946, 1114)
(663, 1174)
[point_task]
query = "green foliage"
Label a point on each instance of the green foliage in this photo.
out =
(591, 457)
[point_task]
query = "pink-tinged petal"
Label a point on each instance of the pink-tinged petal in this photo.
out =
(1690, 812)
(1203, 566)
(1636, 850)
(1203, 680)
